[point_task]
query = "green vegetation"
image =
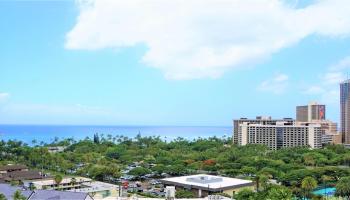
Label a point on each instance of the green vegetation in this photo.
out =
(103, 158)
(2, 196)
(58, 179)
(139, 171)
(184, 194)
(18, 196)
(343, 187)
(308, 184)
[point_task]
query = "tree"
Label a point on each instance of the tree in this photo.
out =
(263, 181)
(325, 179)
(248, 171)
(245, 194)
(279, 193)
(58, 179)
(96, 138)
(343, 187)
(308, 184)
(139, 171)
(2, 197)
(18, 196)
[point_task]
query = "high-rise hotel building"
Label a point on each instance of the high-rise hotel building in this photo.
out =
(315, 113)
(312, 111)
(277, 134)
(345, 111)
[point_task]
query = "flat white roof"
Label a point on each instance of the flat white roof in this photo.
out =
(207, 181)
(95, 186)
(51, 181)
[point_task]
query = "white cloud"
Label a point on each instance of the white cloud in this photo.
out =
(331, 78)
(4, 96)
(328, 88)
(276, 85)
(203, 38)
(312, 90)
(341, 65)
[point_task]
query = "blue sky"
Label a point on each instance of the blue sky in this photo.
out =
(114, 63)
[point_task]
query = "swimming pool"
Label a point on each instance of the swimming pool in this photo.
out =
(330, 191)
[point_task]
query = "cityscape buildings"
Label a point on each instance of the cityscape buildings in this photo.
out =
(315, 114)
(311, 128)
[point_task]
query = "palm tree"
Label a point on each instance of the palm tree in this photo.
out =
(343, 187)
(308, 184)
(261, 180)
(325, 179)
(264, 181)
(58, 179)
(18, 196)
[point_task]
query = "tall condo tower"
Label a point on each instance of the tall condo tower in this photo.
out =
(345, 111)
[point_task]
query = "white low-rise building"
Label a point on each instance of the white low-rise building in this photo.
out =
(96, 189)
(203, 185)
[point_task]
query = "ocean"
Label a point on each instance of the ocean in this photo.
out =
(47, 133)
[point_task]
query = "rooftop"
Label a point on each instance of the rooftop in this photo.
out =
(57, 195)
(207, 181)
(64, 180)
(22, 175)
(12, 167)
(9, 190)
(95, 186)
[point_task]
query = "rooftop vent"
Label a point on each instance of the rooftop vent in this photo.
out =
(204, 179)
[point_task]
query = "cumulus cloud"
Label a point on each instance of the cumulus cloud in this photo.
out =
(200, 39)
(328, 88)
(276, 85)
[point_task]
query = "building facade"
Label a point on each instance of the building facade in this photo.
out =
(263, 120)
(279, 135)
(345, 111)
(310, 112)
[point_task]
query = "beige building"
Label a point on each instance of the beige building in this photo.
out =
(315, 114)
(263, 120)
(279, 135)
(330, 134)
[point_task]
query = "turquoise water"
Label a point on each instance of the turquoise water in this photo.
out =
(47, 133)
(325, 192)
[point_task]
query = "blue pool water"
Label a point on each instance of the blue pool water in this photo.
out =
(325, 192)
